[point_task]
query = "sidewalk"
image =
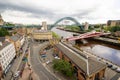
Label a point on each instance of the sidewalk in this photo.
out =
(28, 74)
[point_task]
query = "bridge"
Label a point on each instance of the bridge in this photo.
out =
(86, 35)
(68, 18)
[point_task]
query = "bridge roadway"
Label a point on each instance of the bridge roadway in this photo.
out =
(36, 64)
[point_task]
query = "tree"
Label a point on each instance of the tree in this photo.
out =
(55, 35)
(3, 32)
(63, 67)
(114, 28)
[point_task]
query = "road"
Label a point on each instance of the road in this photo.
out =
(37, 66)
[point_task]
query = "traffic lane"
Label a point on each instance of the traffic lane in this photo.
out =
(50, 76)
(37, 66)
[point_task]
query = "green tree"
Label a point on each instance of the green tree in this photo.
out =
(3, 32)
(63, 67)
(114, 28)
(55, 35)
(9, 24)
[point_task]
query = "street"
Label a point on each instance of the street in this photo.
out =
(37, 66)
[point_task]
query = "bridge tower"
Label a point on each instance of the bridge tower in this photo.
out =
(44, 25)
(1, 20)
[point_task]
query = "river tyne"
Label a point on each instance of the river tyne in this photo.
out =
(106, 51)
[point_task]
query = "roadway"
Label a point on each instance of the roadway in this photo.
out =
(36, 64)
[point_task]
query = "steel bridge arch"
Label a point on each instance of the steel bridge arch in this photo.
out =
(68, 18)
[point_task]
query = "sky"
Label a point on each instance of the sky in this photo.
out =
(36, 11)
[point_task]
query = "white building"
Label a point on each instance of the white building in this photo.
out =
(22, 40)
(7, 54)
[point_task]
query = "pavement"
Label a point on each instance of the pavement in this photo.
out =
(28, 74)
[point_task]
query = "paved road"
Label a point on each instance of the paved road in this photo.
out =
(37, 66)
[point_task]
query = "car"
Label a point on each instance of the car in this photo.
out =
(118, 70)
(109, 65)
(48, 62)
(114, 68)
(17, 74)
(56, 57)
(99, 59)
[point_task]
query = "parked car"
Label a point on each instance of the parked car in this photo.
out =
(48, 62)
(114, 68)
(17, 74)
(118, 70)
(56, 57)
(109, 65)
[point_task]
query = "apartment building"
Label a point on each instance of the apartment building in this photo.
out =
(17, 40)
(7, 55)
(113, 23)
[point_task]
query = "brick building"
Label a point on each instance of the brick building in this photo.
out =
(86, 68)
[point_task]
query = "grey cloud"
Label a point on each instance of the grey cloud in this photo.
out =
(84, 14)
(45, 13)
(35, 12)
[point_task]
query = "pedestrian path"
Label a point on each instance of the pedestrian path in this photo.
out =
(28, 74)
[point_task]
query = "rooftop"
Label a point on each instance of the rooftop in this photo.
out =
(2, 39)
(93, 65)
(41, 31)
(15, 37)
(4, 44)
(114, 20)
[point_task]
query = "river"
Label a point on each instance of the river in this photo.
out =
(106, 51)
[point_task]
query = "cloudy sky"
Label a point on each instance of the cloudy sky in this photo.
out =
(36, 11)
